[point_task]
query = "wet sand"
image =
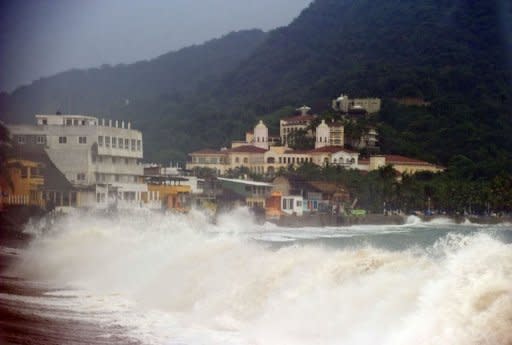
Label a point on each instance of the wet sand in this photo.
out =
(21, 321)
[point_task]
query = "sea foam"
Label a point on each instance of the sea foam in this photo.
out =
(181, 279)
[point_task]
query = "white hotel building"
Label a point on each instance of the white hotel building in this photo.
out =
(101, 157)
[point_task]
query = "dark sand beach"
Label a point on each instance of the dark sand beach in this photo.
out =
(21, 321)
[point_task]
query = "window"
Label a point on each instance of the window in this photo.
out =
(41, 139)
(139, 145)
(45, 121)
(69, 122)
(63, 140)
(100, 140)
(246, 160)
(127, 161)
(107, 141)
(80, 177)
(24, 172)
(83, 122)
(82, 140)
(126, 144)
(133, 144)
(21, 139)
(114, 159)
(75, 122)
(114, 142)
(100, 159)
(120, 142)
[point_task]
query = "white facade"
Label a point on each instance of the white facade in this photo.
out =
(90, 152)
(292, 205)
(345, 158)
(261, 136)
(322, 135)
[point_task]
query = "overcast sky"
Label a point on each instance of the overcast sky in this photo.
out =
(42, 37)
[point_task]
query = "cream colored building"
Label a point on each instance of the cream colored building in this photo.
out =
(401, 164)
(259, 157)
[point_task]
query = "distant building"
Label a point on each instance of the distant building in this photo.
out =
(346, 105)
(293, 124)
(250, 193)
(90, 152)
(401, 164)
(329, 134)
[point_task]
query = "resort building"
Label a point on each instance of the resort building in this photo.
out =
(101, 156)
(259, 157)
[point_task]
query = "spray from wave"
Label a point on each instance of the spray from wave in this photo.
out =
(189, 281)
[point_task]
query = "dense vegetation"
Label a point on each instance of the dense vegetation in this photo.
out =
(454, 54)
(440, 193)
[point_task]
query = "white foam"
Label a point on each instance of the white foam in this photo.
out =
(179, 279)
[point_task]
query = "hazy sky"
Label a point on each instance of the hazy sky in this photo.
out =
(42, 37)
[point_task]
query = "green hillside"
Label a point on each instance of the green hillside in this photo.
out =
(455, 54)
(109, 90)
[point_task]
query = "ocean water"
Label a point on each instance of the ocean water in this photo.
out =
(177, 279)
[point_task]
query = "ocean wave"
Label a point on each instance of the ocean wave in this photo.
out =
(212, 283)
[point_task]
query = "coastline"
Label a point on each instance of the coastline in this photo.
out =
(20, 322)
(321, 220)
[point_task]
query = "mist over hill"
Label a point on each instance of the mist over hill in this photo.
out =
(454, 54)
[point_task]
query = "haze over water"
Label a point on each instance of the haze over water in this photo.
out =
(177, 279)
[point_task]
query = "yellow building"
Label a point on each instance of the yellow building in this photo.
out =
(24, 187)
(167, 192)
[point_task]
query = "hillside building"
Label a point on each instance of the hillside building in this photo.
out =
(345, 104)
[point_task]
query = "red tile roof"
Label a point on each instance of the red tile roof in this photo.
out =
(247, 149)
(397, 159)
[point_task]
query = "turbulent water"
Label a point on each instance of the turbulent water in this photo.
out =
(177, 279)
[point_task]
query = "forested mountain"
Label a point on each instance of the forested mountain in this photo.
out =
(108, 90)
(457, 54)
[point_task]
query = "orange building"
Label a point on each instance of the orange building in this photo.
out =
(273, 205)
(24, 187)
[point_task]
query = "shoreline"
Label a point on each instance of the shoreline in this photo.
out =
(322, 220)
(19, 321)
